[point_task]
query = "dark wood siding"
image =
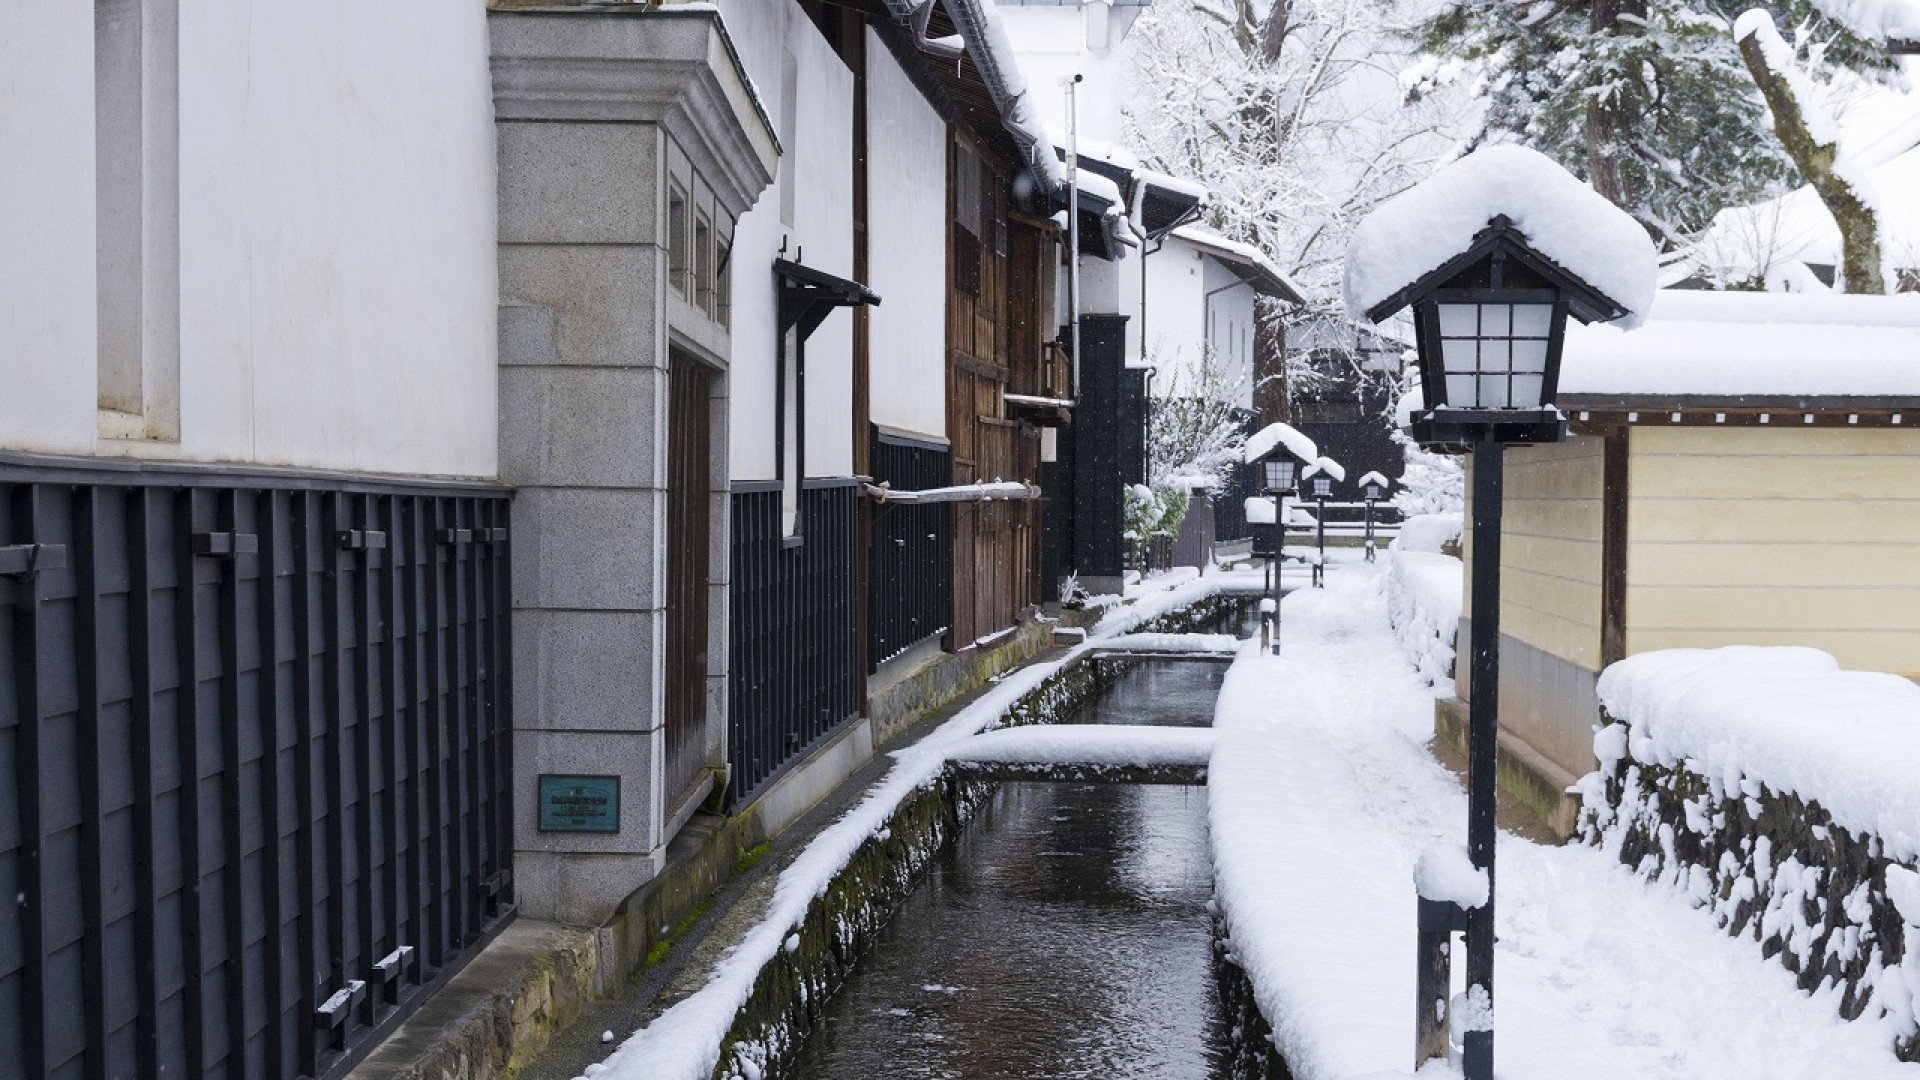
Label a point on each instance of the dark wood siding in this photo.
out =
(689, 463)
(254, 751)
(995, 545)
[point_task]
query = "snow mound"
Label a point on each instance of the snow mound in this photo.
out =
(1786, 717)
(1089, 744)
(1446, 873)
(1415, 233)
(1429, 532)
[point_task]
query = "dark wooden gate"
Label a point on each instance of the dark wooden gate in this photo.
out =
(689, 510)
(254, 764)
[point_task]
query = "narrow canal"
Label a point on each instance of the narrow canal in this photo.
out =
(1064, 935)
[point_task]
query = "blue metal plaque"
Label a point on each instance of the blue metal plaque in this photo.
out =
(579, 803)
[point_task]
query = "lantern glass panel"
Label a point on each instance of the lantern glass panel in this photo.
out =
(1374, 491)
(1322, 487)
(1495, 355)
(1279, 474)
(1459, 320)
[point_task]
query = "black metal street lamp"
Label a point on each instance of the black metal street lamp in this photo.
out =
(1322, 490)
(1373, 488)
(1489, 324)
(1274, 474)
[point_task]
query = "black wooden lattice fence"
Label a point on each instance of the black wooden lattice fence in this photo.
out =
(792, 669)
(910, 597)
(254, 764)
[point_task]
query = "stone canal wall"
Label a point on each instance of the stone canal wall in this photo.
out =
(841, 923)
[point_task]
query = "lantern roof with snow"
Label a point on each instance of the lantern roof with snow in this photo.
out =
(1510, 204)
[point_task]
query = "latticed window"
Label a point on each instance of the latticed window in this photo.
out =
(1495, 354)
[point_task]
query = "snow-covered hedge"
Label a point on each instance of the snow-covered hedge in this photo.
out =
(1429, 532)
(1423, 605)
(1778, 792)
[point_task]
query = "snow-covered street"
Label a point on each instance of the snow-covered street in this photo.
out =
(1323, 797)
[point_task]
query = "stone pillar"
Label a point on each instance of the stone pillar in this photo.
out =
(590, 102)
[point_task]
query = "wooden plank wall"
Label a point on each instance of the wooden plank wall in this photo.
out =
(995, 545)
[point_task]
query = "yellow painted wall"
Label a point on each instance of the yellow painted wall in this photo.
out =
(1776, 536)
(1550, 548)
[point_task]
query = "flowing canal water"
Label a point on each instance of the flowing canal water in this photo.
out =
(1063, 935)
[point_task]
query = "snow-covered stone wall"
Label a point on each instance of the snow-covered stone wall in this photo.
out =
(1774, 791)
(1423, 591)
(271, 311)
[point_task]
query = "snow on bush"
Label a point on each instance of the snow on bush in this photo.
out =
(1423, 592)
(1417, 232)
(1775, 790)
(1429, 532)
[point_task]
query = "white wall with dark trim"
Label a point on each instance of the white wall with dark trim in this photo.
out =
(907, 250)
(808, 93)
(320, 292)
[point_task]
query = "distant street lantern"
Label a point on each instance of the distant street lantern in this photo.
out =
(1373, 488)
(1275, 467)
(1490, 309)
(1322, 473)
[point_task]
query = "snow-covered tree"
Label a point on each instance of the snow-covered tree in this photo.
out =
(1292, 113)
(1811, 138)
(1648, 100)
(1196, 429)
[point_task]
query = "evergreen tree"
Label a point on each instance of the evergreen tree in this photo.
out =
(1648, 100)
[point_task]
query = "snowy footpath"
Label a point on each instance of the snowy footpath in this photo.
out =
(1323, 796)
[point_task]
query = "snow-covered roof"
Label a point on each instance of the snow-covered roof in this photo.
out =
(1264, 440)
(1375, 478)
(1249, 263)
(1753, 346)
(1420, 230)
(984, 35)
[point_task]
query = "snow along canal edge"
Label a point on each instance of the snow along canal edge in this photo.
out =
(842, 888)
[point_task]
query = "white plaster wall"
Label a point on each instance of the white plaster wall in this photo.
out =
(46, 229)
(337, 235)
(818, 152)
(337, 285)
(1176, 326)
(1184, 319)
(907, 250)
(1051, 43)
(1229, 317)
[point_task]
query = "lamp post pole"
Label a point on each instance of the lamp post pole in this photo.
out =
(1483, 725)
(1369, 527)
(1279, 560)
(1320, 537)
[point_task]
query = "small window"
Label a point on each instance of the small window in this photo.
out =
(723, 273)
(677, 253)
(703, 261)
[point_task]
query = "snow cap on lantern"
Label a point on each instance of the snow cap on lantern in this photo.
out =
(1493, 253)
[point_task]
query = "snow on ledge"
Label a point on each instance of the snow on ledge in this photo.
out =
(1416, 232)
(1786, 717)
(1109, 745)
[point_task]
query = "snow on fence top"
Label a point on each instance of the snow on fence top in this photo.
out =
(1418, 231)
(1741, 343)
(1263, 441)
(1788, 718)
